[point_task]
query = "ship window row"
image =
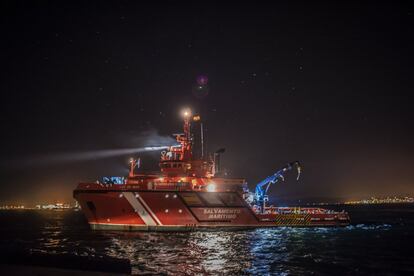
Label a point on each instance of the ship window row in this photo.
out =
(173, 165)
(212, 199)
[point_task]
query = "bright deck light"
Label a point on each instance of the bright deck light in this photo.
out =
(186, 112)
(211, 187)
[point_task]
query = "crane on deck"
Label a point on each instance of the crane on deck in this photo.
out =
(260, 197)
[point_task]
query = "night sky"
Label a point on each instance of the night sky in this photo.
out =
(325, 83)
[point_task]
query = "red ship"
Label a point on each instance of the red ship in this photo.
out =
(190, 193)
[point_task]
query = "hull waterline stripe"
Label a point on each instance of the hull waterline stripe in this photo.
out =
(139, 209)
(149, 209)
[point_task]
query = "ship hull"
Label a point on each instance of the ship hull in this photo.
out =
(138, 210)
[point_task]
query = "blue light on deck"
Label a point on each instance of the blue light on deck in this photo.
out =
(118, 180)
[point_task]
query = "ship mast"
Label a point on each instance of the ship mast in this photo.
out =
(188, 158)
(187, 143)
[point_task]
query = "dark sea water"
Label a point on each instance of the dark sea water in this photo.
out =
(380, 241)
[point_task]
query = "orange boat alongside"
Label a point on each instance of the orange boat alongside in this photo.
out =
(190, 193)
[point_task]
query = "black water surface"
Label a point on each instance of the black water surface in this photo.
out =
(379, 241)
